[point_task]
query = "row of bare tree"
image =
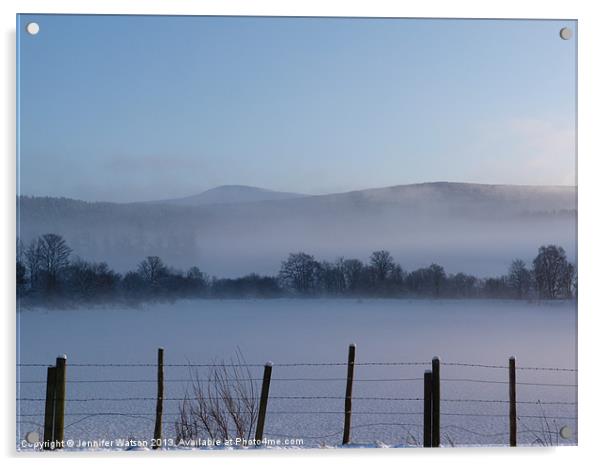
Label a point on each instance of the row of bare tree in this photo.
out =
(551, 276)
(46, 269)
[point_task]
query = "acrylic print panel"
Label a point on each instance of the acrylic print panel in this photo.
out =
(201, 195)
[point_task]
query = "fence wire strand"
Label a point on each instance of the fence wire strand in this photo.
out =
(309, 397)
(392, 413)
(312, 364)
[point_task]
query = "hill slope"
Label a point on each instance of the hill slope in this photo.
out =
(230, 194)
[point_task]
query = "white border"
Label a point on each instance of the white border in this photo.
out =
(590, 32)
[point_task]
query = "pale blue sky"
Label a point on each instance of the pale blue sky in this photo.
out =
(126, 108)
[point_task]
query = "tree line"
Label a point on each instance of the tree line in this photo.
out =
(47, 272)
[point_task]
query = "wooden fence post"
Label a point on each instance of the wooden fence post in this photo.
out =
(263, 402)
(59, 404)
(427, 436)
(512, 390)
(159, 409)
(436, 402)
(348, 394)
(49, 408)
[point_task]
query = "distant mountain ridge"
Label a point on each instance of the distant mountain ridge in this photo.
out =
(438, 190)
(442, 190)
(230, 194)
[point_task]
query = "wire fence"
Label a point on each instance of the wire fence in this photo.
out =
(305, 364)
(388, 408)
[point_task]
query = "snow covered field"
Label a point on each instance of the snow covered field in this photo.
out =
(312, 330)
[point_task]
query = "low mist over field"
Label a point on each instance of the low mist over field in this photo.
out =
(235, 230)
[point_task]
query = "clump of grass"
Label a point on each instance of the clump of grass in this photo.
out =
(548, 434)
(224, 406)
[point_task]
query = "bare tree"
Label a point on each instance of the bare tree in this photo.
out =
(519, 278)
(90, 279)
(222, 406)
(300, 272)
(21, 278)
(21, 270)
(33, 261)
(152, 270)
(569, 278)
(549, 268)
(438, 276)
(461, 284)
(197, 280)
(331, 277)
(352, 271)
(383, 265)
(20, 250)
(54, 257)
(428, 280)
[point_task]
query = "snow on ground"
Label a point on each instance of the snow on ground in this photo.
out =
(312, 330)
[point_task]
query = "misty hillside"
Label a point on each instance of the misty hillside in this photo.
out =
(230, 194)
(465, 227)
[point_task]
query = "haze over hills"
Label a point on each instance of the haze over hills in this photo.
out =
(230, 194)
(234, 230)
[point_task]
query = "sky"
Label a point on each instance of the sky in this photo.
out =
(133, 108)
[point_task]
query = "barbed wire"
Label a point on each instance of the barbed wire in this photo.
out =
(394, 413)
(273, 379)
(308, 397)
(523, 416)
(498, 366)
(308, 379)
(493, 434)
(109, 364)
(538, 402)
(505, 382)
(553, 369)
(276, 397)
(311, 364)
(289, 364)
(100, 414)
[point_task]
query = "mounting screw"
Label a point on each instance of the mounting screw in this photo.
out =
(566, 432)
(566, 33)
(32, 28)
